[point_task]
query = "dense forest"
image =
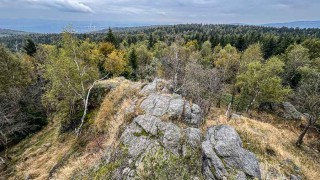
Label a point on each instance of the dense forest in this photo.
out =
(239, 68)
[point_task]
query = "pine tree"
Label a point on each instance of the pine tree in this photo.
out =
(29, 47)
(151, 42)
(133, 63)
(111, 38)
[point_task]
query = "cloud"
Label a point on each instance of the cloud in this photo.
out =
(63, 5)
(164, 11)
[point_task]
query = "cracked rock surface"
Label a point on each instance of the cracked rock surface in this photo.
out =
(153, 142)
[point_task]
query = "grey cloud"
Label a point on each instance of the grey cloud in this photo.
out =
(62, 5)
(174, 11)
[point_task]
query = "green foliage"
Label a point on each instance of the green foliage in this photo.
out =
(308, 92)
(151, 42)
(313, 45)
(206, 53)
(253, 53)
(111, 38)
(228, 60)
(133, 63)
(269, 46)
(70, 71)
(296, 57)
(29, 47)
(261, 82)
(21, 112)
(15, 72)
(160, 164)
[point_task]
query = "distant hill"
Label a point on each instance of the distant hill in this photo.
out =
(9, 32)
(296, 24)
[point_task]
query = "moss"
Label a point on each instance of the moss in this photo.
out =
(142, 133)
(105, 171)
(165, 165)
(145, 133)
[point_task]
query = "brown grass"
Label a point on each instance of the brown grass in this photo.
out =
(111, 116)
(273, 143)
(35, 157)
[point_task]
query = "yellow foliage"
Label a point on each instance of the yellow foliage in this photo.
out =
(106, 48)
(192, 45)
(116, 63)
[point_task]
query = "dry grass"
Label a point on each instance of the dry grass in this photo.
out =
(270, 139)
(112, 114)
(273, 143)
(35, 157)
(111, 103)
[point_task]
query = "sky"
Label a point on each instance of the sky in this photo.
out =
(163, 12)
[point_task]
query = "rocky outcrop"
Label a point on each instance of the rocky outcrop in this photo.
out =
(153, 141)
(284, 109)
(224, 142)
(287, 111)
(158, 102)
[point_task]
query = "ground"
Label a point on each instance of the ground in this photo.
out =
(49, 154)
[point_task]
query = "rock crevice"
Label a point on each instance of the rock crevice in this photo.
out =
(218, 151)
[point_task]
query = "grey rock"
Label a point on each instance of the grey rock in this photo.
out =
(156, 105)
(193, 137)
(241, 176)
(138, 145)
(128, 173)
(228, 145)
(287, 111)
(176, 107)
(171, 137)
(135, 142)
(172, 106)
(294, 177)
(148, 123)
(158, 85)
(134, 137)
(193, 114)
(291, 111)
(226, 134)
(236, 116)
(128, 134)
(211, 160)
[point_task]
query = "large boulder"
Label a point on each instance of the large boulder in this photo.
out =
(227, 145)
(284, 109)
(158, 85)
(288, 111)
(193, 137)
(172, 106)
(212, 165)
(146, 131)
(154, 141)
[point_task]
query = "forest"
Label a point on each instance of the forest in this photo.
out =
(241, 69)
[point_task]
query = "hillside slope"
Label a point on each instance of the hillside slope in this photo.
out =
(296, 24)
(144, 131)
(9, 32)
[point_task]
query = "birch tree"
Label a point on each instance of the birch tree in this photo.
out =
(261, 83)
(72, 71)
(308, 98)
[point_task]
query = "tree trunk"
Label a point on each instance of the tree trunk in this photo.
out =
(229, 109)
(219, 103)
(86, 101)
(252, 101)
(300, 139)
(304, 132)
